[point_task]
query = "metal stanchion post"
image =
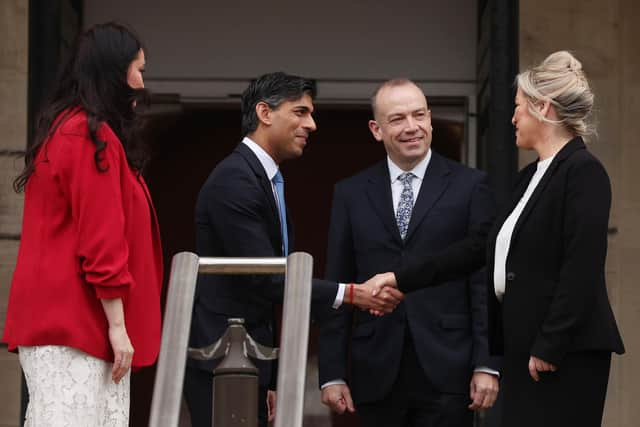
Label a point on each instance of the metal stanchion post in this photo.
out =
(236, 374)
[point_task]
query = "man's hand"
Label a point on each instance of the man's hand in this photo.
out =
(338, 398)
(384, 300)
(483, 390)
(271, 405)
(380, 281)
(377, 284)
(538, 365)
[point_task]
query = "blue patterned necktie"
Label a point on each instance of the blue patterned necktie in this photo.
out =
(278, 181)
(405, 206)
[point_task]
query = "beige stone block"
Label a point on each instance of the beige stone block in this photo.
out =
(628, 311)
(8, 255)
(10, 379)
(541, 25)
(622, 408)
(628, 223)
(14, 43)
(11, 204)
(630, 34)
(13, 108)
(630, 149)
(630, 108)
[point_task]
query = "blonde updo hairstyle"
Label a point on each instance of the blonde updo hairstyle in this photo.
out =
(560, 80)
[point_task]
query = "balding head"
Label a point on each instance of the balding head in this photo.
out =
(388, 85)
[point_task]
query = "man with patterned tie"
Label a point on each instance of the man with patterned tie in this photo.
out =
(427, 364)
(241, 212)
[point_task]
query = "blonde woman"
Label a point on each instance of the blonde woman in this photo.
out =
(550, 314)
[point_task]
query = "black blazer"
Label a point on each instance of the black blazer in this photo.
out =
(448, 323)
(236, 216)
(556, 299)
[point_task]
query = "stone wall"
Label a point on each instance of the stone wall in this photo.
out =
(13, 128)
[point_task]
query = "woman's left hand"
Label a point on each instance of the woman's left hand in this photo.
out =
(538, 365)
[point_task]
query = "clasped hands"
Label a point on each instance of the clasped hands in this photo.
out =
(379, 295)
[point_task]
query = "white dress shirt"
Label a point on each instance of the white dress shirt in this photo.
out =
(503, 240)
(271, 169)
(396, 186)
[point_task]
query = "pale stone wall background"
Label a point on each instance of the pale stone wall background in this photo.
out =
(13, 137)
(604, 35)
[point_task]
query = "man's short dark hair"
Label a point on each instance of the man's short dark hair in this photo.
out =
(273, 89)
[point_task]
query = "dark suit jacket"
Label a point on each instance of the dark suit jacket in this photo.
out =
(556, 299)
(236, 216)
(448, 323)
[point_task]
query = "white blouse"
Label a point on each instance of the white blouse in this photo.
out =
(504, 236)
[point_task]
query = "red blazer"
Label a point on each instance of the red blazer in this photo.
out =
(86, 235)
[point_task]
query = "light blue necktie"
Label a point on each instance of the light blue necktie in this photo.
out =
(278, 181)
(405, 206)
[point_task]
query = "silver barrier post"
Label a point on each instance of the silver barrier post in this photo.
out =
(167, 393)
(167, 390)
(294, 342)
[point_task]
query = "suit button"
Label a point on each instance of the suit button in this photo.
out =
(511, 276)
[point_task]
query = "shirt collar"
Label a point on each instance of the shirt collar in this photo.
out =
(419, 170)
(267, 162)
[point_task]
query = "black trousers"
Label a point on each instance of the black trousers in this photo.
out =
(573, 395)
(198, 393)
(414, 402)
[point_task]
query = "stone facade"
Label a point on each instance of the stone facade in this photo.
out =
(13, 125)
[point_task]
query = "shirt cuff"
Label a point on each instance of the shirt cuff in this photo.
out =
(334, 382)
(487, 370)
(339, 296)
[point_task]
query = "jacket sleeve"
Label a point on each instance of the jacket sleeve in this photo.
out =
(481, 214)
(586, 217)
(236, 209)
(335, 331)
(460, 258)
(97, 210)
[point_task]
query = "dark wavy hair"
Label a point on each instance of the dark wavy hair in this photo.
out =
(94, 79)
(274, 89)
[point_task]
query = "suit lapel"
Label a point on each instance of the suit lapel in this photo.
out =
(379, 193)
(566, 151)
(434, 184)
(265, 183)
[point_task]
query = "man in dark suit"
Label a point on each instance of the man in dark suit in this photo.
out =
(427, 363)
(241, 212)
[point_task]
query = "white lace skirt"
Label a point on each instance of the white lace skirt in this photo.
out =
(69, 388)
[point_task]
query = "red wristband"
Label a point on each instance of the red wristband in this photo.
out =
(351, 293)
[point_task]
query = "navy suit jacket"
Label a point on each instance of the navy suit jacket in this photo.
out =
(236, 216)
(448, 323)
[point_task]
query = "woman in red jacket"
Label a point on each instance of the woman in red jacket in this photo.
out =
(86, 289)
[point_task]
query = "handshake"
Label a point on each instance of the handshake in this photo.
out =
(379, 295)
